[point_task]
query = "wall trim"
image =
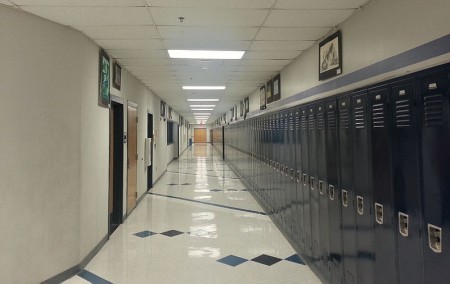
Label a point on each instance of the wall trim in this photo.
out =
(63, 276)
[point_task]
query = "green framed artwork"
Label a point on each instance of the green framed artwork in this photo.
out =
(104, 80)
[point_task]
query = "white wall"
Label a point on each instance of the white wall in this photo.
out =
(55, 147)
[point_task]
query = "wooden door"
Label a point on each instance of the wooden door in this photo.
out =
(200, 135)
(132, 158)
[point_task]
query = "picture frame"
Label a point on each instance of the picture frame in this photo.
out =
(169, 113)
(276, 82)
(241, 109)
(247, 105)
(104, 80)
(117, 76)
(269, 91)
(163, 109)
(262, 97)
(330, 56)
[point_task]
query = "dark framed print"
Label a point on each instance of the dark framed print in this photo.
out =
(262, 97)
(241, 109)
(117, 76)
(269, 92)
(247, 105)
(276, 83)
(104, 80)
(163, 109)
(330, 56)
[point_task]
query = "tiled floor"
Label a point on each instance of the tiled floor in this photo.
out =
(197, 225)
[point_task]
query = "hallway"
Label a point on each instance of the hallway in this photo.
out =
(197, 225)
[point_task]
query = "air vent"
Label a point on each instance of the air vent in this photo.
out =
(331, 120)
(402, 113)
(304, 122)
(320, 121)
(291, 123)
(312, 122)
(297, 123)
(360, 120)
(378, 115)
(344, 119)
(433, 110)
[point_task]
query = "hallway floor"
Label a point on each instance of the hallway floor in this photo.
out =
(197, 225)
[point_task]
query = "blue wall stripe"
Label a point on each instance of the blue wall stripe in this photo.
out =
(208, 203)
(418, 54)
(91, 277)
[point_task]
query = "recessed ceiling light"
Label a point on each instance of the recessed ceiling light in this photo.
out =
(204, 87)
(202, 109)
(203, 100)
(202, 105)
(205, 54)
(201, 113)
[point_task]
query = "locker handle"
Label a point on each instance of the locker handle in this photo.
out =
(277, 167)
(286, 171)
(298, 176)
(403, 224)
(360, 204)
(344, 198)
(304, 178)
(379, 213)
(434, 238)
(311, 183)
(292, 174)
(331, 191)
(321, 187)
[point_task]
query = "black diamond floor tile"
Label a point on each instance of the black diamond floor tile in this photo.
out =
(266, 259)
(172, 233)
(232, 260)
(296, 259)
(144, 234)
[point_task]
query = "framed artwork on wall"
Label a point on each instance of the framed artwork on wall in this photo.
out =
(262, 97)
(117, 76)
(269, 91)
(276, 82)
(241, 109)
(247, 105)
(163, 109)
(104, 80)
(330, 56)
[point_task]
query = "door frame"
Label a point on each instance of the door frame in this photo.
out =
(134, 105)
(150, 135)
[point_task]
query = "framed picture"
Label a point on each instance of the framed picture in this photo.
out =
(276, 87)
(232, 114)
(262, 97)
(241, 109)
(330, 56)
(117, 76)
(104, 80)
(169, 113)
(269, 91)
(163, 109)
(247, 105)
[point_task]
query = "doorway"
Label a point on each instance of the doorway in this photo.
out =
(132, 157)
(115, 203)
(150, 135)
(200, 135)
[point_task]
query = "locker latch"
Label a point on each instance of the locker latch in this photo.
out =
(331, 191)
(379, 213)
(311, 183)
(292, 174)
(360, 204)
(298, 176)
(434, 238)
(321, 187)
(403, 224)
(286, 171)
(344, 198)
(304, 179)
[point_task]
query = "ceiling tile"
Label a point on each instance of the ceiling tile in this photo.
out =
(280, 45)
(319, 4)
(307, 18)
(119, 32)
(211, 33)
(276, 54)
(97, 3)
(291, 33)
(258, 68)
(144, 62)
(231, 4)
(91, 16)
(130, 44)
(206, 44)
(209, 17)
(137, 53)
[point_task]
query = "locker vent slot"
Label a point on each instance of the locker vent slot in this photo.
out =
(344, 119)
(320, 121)
(291, 124)
(402, 113)
(331, 120)
(360, 120)
(378, 115)
(433, 110)
(304, 123)
(297, 123)
(312, 122)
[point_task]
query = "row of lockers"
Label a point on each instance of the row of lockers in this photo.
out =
(359, 182)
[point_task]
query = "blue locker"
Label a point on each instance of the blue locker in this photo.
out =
(385, 265)
(284, 171)
(435, 146)
(298, 178)
(305, 182)
(291, 171)
(278, 148)
(406, 174)
(361, 184)
(346, 188)
(335, 259)
(324, 223)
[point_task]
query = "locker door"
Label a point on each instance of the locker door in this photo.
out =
(406, 183)
(277, 168)
(285, 176)
(298, 178)
(346, 188)
(361, 183)
(313, 177)
(332, 155)
(305, 183)
(273, 155)
(385, 270)
(324, 224)
(435, 138)
(292, 169)
(282, 178)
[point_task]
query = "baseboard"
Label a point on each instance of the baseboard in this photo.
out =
(63, 276)
(156, 181)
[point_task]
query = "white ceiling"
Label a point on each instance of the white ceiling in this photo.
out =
(138, 33)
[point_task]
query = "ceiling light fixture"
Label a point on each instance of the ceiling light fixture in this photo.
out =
(202, 109)
(205, 54)
(203, 100)
(201, 113)
(204, 87)
(202, 105)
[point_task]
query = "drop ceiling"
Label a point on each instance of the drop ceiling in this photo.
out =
(137, 33)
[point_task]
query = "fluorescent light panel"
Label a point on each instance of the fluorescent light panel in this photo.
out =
(202, 109)
(205, 54)
(202, 105)
(203, 100)
(204, 87)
